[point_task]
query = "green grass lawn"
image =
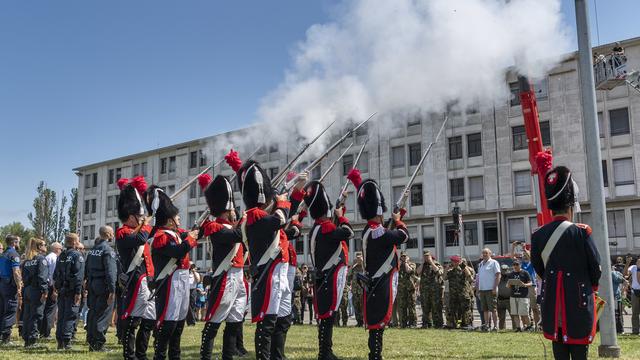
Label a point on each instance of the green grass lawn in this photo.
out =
(351, 343)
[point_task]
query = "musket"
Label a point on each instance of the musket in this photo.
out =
(188, 183)
(282, 174)
(407, 189)
(289, 185)
(341, 195)
(303, 206)
(207, 212)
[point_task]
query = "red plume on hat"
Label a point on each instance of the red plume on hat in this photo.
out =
(291, 175)
(233, 160)
(355, 177)
(204, 180)
(137, 182)
(544, 161)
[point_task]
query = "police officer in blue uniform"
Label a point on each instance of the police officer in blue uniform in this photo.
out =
(10, 287)
(101, 284)
(35, 276)
(68, 278)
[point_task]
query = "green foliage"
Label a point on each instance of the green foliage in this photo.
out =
(48, 219)
(73, 211)
(16, 228)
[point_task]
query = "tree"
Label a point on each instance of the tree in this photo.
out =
(73, 211)
(16, 228)
(44, 219)
(60, 230)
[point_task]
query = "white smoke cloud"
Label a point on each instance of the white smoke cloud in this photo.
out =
(408, 55)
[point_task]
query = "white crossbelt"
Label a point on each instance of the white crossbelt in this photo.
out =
(172, 265)
(226, 263)
(272, 251)
(314, 234)
(553, 240)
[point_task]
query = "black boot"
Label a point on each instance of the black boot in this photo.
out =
(375, 344)
(229, 340)
(142, 338)
(264, 332)
(174, 341)
(240, 349)
(280, 338)
(162, 338)
(128, 337)
(325, 339)
(208, 334)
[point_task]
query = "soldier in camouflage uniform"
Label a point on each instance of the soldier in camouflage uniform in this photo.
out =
(431, 292)
(297, 297)
(460, 287)
(406, 299)
(356, 288)
(469, 314)
(343, 313)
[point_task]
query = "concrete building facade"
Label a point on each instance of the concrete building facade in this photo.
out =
(480, 164)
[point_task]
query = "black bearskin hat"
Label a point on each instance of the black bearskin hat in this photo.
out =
(219, 194)
(160, 206)
(370, 200)
(130, 201)
(559, 189)
(254, 184)
(317, 200)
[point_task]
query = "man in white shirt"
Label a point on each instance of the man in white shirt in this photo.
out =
(634, 273)
(52, 298)
(487, 282)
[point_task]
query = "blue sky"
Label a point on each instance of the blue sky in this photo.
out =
(84, 81)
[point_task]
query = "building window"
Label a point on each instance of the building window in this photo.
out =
(191, 219)
(522, 182)
(545, 133)
(516, 229)
(428, 236)
(111, 176)
(635, 220)
(347, 164)
(412, 243)
(92, 231)
(415, 120)
(619, 121)
(299, 245)
(193, 159)
(471, 233)
(457, 189)
(172, 164)
(397, 192)
(616, 223)
(110, 202)
(490, 232)
(87, 207)
(415, 153)
(476, 188)
(316, 173)
(397, 157)
(273, 148)
(455, 147)
(601, 124)
(605, 173)
(87, 181)
(203, 158)
(140, 169)
(273, 172)
(533, 224)
(416, 195)
(363, 163)
(474, 145)
(514, 89)
(171, 189)
(541, 89)
(93, 206)
(450, 235)
(519, 136)
(163, 166)
(136, 170)
(193, 191)
(362, 130)
(199, 252)
(623, 171)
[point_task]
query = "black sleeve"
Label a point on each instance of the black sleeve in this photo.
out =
(174, 250)
(276, 221)
(43, 274)
(295, 204)
(593, 259)
(76, 274)
(292, 232)
(227, 236)
(398, 236)
(344, 231)
(536, 256)
(133, 240)
(110, 270)
(58, 281)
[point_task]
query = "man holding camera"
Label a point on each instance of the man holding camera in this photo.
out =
(519, 283)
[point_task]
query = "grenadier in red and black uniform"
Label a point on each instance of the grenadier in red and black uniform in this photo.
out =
(170, 253)
(268, 245)
(137, 268)
(329, 252)
(565, 257)
(379, 247)
(227, 297)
